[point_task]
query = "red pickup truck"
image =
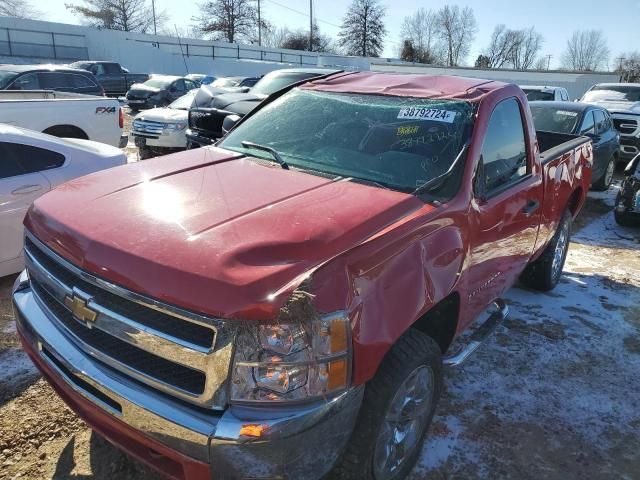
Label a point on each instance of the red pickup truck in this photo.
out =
(282, 305)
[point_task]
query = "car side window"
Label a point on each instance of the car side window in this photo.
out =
(190, 85)
(504, 151)
(30, 159)
(588, 125)
(111, 69)
(9, 166)
(55, 81)
(80, 81)
(28, 81)
(600, 121)
(179, 85)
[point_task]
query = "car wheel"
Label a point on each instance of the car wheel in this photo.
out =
(397, 409)
(623, 219)
(544, 273)
(605, 180)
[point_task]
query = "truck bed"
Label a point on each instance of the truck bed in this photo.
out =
(552, 144)
(22, 95)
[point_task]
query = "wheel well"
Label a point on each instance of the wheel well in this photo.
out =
(574, 201)
(441, 321)
(69, 131)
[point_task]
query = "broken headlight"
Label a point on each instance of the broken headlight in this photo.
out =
(292, 362)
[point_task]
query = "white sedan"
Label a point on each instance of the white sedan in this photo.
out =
(31, 164)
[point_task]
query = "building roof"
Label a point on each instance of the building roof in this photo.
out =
(406, 85)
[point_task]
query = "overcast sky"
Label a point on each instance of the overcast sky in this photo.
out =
(555, 20)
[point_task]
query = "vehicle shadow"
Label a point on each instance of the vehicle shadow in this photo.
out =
(106, 462)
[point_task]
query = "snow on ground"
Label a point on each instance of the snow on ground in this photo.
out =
(555, 392)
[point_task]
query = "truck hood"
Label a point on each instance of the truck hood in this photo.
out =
(166, 115)
(619, 106)
(209, 230)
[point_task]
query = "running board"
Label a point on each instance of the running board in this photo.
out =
(480, 335)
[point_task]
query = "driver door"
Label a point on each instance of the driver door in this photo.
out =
(505, 211)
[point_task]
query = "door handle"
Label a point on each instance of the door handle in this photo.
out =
(26, 189)
(532, 206)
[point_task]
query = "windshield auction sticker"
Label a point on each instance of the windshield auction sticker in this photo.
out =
(567, 113)
(421, 113)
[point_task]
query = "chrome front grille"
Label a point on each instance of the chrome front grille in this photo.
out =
(625, 124)
(166, 348)
(147, 128)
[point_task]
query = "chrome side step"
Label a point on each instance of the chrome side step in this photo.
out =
(480, 335)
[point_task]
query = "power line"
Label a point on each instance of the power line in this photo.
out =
(303, 13)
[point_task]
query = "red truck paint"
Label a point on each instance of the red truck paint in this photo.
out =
(211, 232)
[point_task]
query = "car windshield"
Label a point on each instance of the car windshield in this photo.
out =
(533, 95)
(554, 119)
(625, 93)
(185, 101)
(273, 83)
(158, 82)
(396, 142)
(6, 78)
(225, 82)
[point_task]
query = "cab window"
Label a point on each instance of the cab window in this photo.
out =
(28, 81)
(588, 126)
(504, 151)
(601, 121)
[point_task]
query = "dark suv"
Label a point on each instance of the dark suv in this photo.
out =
(48, 77)
(205, 121)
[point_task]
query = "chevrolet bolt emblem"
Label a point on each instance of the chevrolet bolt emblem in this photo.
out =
(77, 303)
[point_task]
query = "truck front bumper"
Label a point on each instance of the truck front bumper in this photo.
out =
(181, 441)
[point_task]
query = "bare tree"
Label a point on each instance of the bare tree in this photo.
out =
(273, 37)
(542, 63)
(526, 45)
(229, 20)
(125, 15)
(419, 29)
(299, 40)
(501, 47)
(362, 32)
(456, 28)
(586, 50)
(18, 8)
(629, 67)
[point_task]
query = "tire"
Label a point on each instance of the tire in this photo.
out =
(145, 153)
(605, 180)
(415, 357)
(544, 273)
(621, 218)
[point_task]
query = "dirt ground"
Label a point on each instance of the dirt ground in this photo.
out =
(553, 394)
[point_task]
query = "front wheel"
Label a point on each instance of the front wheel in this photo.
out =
(604, 182)
(397, 409)
(544, 273)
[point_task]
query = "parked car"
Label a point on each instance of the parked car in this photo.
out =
(226, 82)
(583, 119)
(627, 207)
(158, 91)
(622, 100)
(544, 93)
(48, 77)
(65, 115)
(205, 120)
(162, 130)
(31, 164)
(114, 78)
(283, 304)
(200, 78)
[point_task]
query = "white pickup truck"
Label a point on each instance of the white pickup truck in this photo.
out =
(69, 115)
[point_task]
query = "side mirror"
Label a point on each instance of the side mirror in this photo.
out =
(229, 122)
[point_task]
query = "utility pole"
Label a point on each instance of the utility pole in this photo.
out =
(549, 61)
(153, 10)
(311, 25)
(259, 26)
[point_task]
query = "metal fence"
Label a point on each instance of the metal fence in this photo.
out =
(17, 42)
(236, 52)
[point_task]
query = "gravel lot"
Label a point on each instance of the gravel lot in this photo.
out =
(553, 394)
